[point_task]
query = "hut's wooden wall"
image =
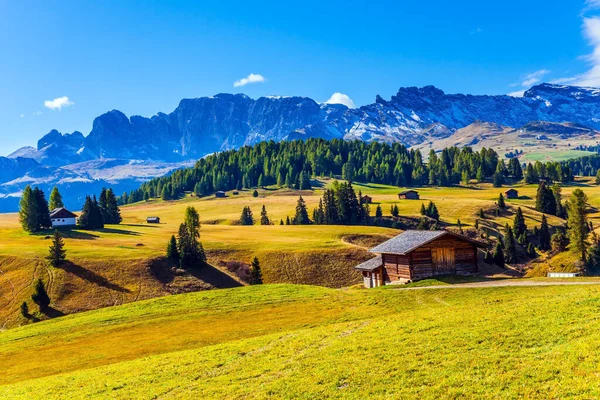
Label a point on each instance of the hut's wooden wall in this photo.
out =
(396, 267)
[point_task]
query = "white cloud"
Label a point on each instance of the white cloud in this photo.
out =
(592, 4)
(520, 93)
(341, 98)
(252, 78)
(58, 103)
(534, 77)
(22, 116)
(478, 30)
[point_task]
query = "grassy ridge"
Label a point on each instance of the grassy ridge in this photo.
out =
(304, 342)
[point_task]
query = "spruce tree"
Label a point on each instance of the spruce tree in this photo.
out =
(113, 213)
(287, 220)
(519, 226)
(28, 211)
(246, 218)
(264, 218)
(395, 211)
(172, 252)
(301, 217)
(501, 202)
(510, 246)
(498, 254)
(57, 253)
(423, 210)
(481, 213)
(40, 296)
(544, 234)
(432, 211)
(56, 200)
(531, 251)
(42, 213)
(255, 193)
(255, 272)
(378, 212)
(578, 224)
(281, 222)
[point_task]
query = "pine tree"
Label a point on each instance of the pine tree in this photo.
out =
(255, 193)
(255, 272)
(577, 222)
(172, 252)
(423, 210)
(246, 218)
(459, 225)
(56, 200)
(519, 226)
(264, 218)
(501, 202)
(112, 211)
(40, 296)
(559, 242)
(432, 211)
(531, 251)
(510, 246)
(42, 214)
(57, 253)
(480, 175)
(287, 220)
(301, 217)
(28, 211)
(281, 222)
(545, 202)
(544, 234)
(378, 212)
(481, 213)
(395, 211)
(476, 225)
(498, 254)
(305, 181)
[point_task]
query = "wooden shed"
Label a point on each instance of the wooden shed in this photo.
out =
(220, 194)
(153, 220)
(409, 195)
(415, 255)
(511, 194)
(366, 199)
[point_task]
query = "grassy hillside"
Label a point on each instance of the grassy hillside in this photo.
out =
(283, 341)
(120, 264)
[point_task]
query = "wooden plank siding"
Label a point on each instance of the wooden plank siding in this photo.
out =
(443, 256)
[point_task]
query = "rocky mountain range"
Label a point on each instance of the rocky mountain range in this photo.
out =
(138, 148)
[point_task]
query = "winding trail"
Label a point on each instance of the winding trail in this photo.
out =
(500, 283)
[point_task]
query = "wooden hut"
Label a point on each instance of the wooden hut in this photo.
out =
(153, 220)
(409, 195)
(220, 194)
(366, 199)
(511, 194)
(415, 255)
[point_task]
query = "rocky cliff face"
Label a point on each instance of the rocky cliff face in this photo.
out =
(201, 126)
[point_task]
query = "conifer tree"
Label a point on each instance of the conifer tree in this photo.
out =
(423, 210)
(481, 213)
(172, 252)
(498, 254)
(476, 225)
(281, 222)
(432, 211)
(544, 234)
(28, 211)
(246, 218)
(287, 220)
(40, 296)
(56, 200)
(301, 217)
(531, 251)
(510, 246)
(480, 175)
(378, 212)
(501, 202)
(545, 202)
(255, 193)
(255, 272)
(578, 224)
(264, 218)
(57, 253)
(43, 215)
(395, 211)
(519, 226)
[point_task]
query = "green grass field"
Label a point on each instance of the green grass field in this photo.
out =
(290, 341)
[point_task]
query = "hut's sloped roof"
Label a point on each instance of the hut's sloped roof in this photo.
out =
(410, 240)
(62, 213)
(408, 191)
(371, 264)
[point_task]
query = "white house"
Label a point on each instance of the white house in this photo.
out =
(62, 217)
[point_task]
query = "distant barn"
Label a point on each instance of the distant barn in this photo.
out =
(366, 199)
(235, 193)
(511, 194)
(220, 194)
(409, 195)
(415, 255)
(62, 217)
(153, 220)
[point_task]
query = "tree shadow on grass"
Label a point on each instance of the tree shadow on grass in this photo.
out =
(52, 312)
(142, 225)
(119, 231)
(214, 276)
(91, 277)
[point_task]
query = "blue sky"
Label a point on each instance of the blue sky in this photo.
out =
(64, 63)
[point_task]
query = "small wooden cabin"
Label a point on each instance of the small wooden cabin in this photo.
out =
(511, 194)
(366, 199)
(153, 220)
(409, 195)
(220, 194)
(416, 255)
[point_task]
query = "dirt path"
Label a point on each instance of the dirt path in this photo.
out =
(500, 283)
